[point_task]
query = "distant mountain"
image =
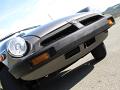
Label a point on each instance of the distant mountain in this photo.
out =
(114, 10)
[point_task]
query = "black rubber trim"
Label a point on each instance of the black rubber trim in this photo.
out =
(72, 52)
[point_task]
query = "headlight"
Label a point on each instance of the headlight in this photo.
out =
(17, 47)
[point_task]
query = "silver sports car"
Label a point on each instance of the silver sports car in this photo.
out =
(40, 51)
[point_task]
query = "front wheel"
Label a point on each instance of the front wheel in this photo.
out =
(8, 82)
(99, 52)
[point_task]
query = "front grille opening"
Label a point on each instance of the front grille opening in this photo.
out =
(89, 42)
(72, 52)
(91, 20)
(59, 35)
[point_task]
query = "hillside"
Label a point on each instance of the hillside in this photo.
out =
(114, 10)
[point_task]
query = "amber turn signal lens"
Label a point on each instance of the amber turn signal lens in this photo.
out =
(110, 22)
(39, 59)
(2, 57)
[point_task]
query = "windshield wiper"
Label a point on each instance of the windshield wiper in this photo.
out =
(28, 28)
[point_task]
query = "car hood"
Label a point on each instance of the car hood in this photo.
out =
(47, 28)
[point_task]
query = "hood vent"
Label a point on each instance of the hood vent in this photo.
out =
(59, 33)
(91, 20)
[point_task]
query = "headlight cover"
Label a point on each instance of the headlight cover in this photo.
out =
(17, 47)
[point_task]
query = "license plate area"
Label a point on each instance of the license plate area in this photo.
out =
(72, 52)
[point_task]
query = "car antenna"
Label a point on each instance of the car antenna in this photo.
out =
(50, 17)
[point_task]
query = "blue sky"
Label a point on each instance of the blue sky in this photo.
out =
(19, 14)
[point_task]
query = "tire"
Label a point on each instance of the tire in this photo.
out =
(8, 82)
(99, 52)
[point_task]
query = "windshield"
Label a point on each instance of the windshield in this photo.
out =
(15, 15)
